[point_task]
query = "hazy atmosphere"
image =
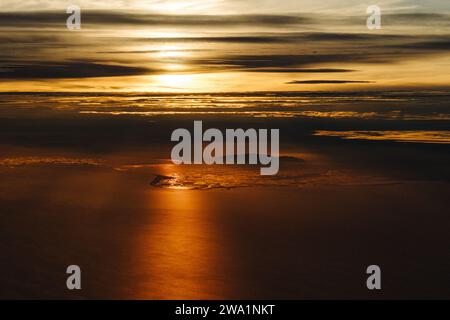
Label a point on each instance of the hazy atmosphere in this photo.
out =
(223, 45)
(87, 178)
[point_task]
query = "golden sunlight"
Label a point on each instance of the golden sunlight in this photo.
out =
(171, 52)
(177, 81)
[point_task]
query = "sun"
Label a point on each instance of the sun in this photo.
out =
(176, 81)
(173, 6)
(171, 52)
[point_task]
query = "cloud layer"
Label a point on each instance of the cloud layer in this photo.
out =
(287, 48)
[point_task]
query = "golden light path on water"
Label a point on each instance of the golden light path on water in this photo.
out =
(180, 249)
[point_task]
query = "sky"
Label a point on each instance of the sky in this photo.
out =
(224, 45)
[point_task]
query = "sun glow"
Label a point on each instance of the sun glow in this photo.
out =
(171, 6)
(171, 52)
(175, 81)
(174, 67)
(182, 6)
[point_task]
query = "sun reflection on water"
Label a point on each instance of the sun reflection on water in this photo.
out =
(179, 248)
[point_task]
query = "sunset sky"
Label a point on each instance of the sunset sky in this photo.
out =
(223, 45)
